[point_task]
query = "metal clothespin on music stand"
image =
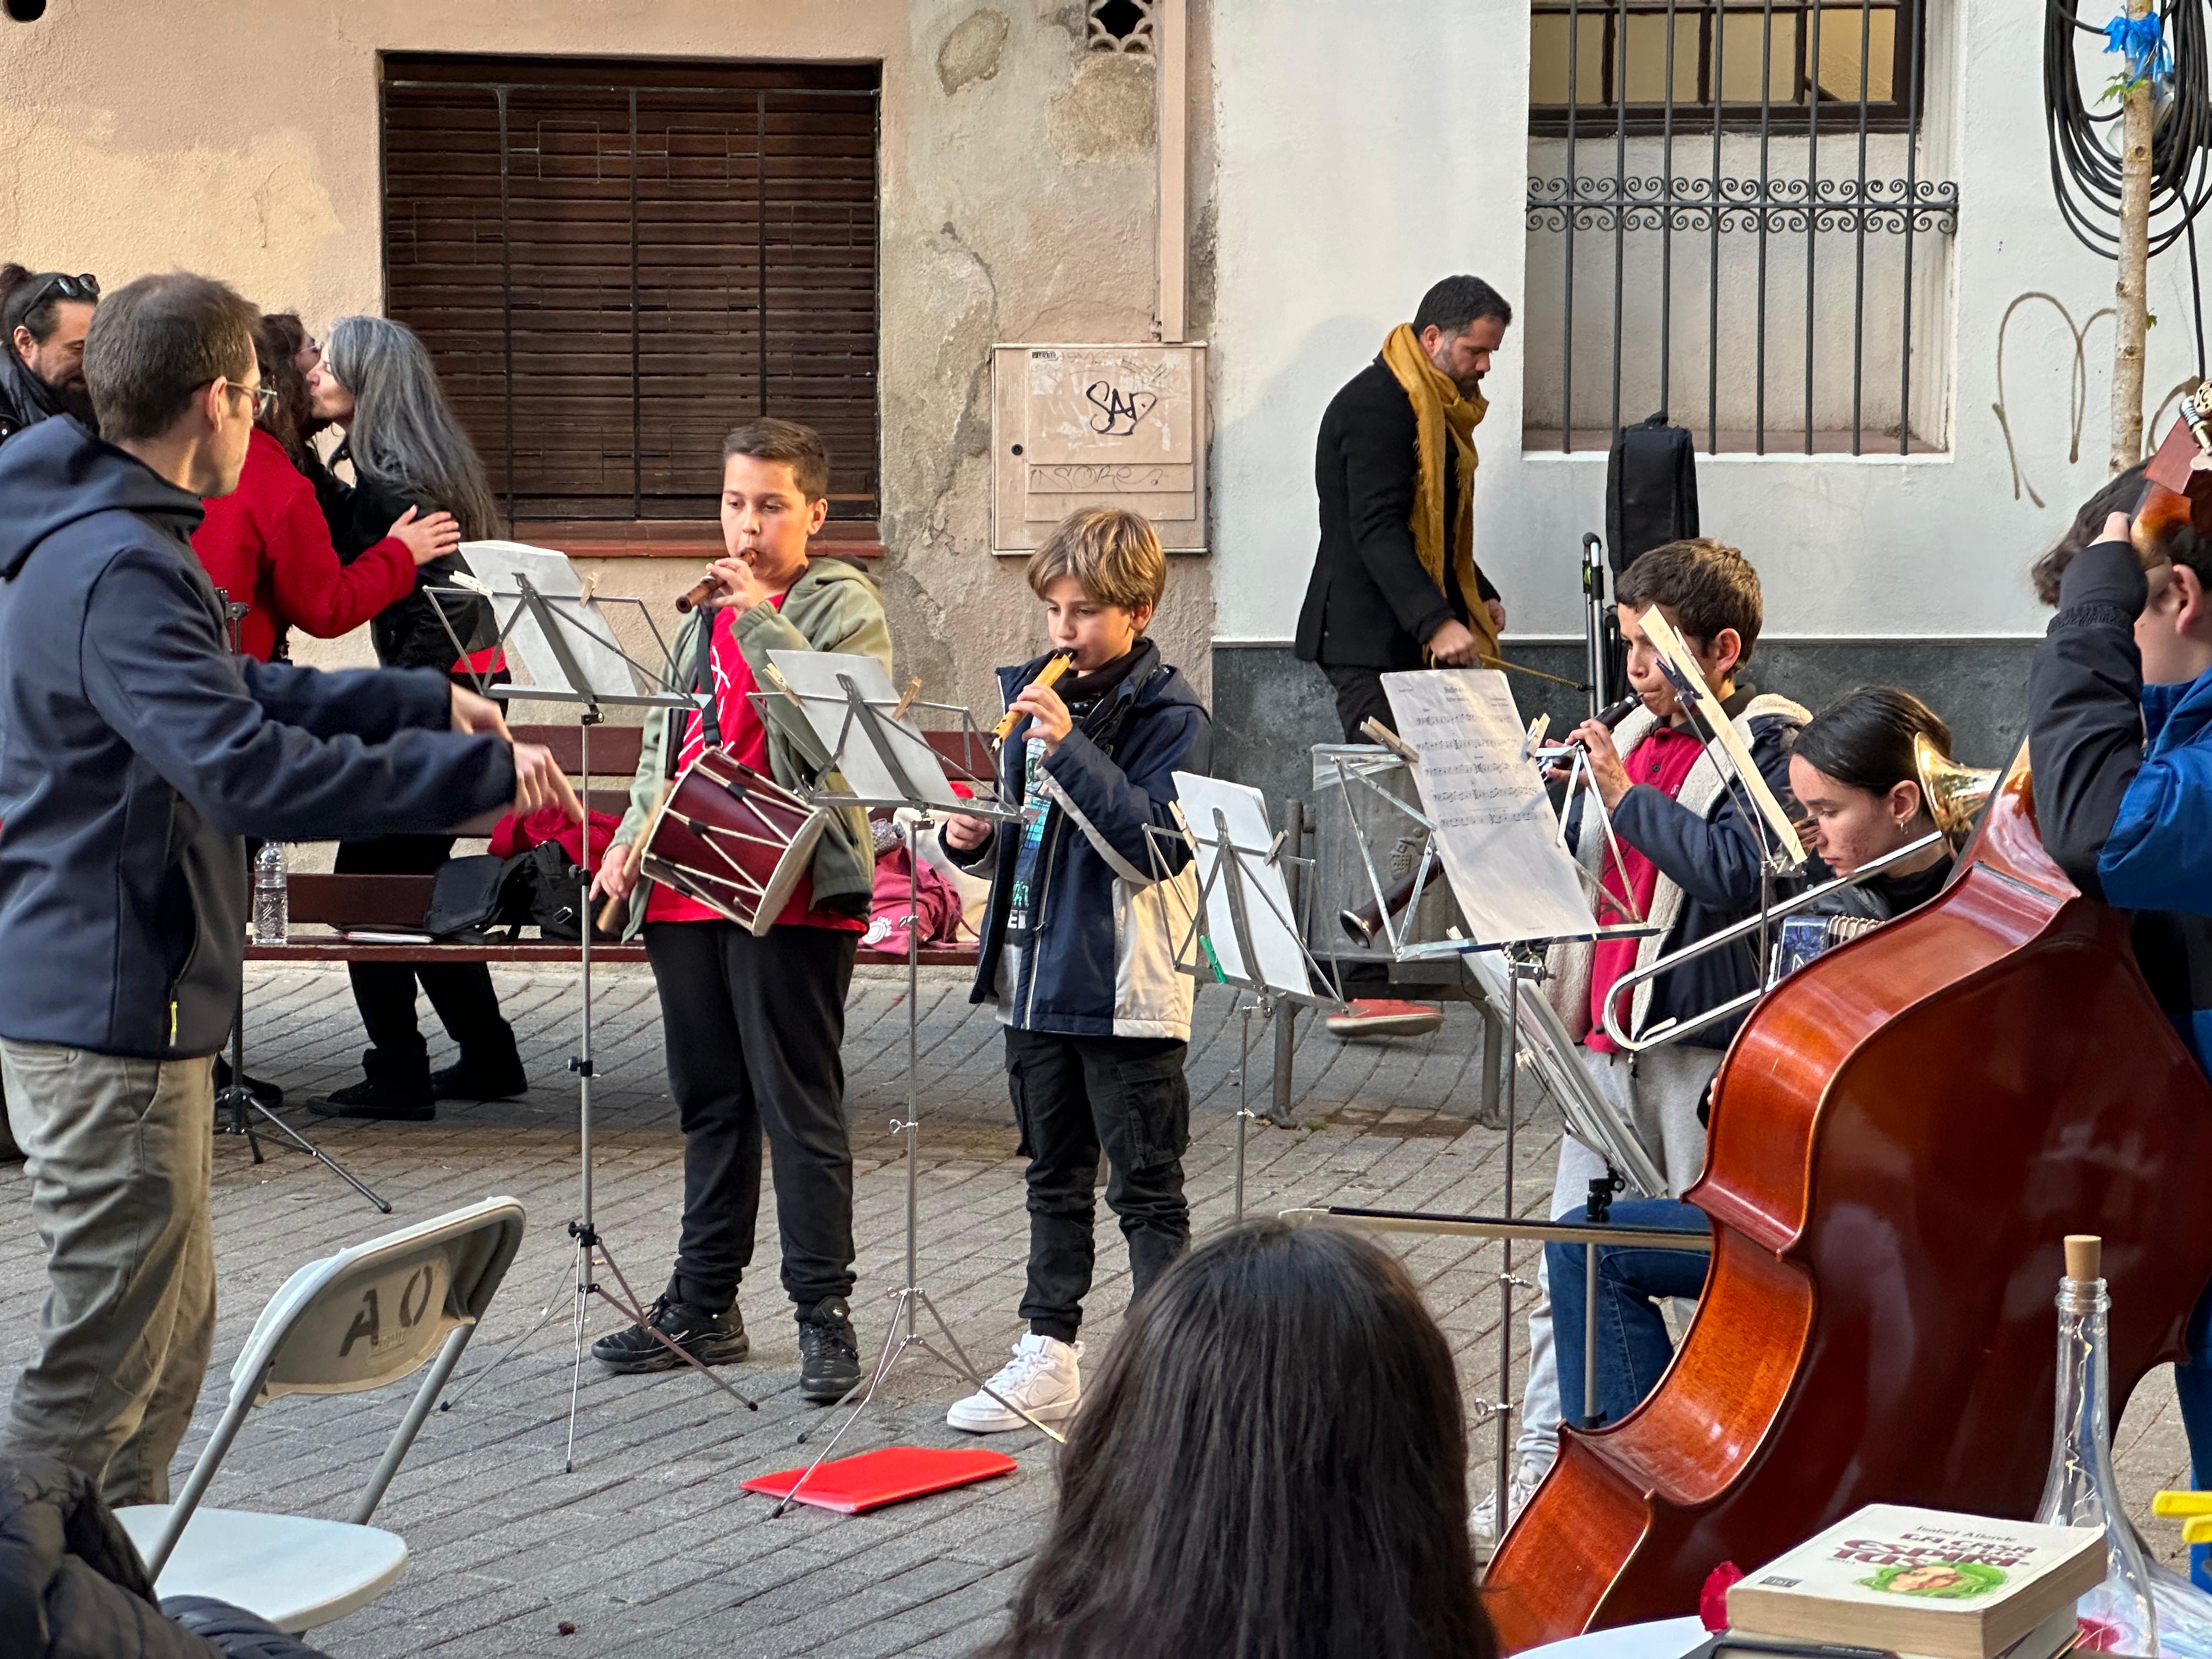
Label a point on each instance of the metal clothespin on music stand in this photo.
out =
(857, 734)
(557, 629)
(1242, 929)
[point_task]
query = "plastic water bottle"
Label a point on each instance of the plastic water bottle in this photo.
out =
(272, 908)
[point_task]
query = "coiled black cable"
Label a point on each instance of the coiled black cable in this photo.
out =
(2085, 170)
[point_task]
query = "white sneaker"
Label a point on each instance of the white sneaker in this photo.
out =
(1041, 1378)
(1482, 1524)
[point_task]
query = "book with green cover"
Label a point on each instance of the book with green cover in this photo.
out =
(1921, 1581)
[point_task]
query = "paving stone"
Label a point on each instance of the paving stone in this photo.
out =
(650, 1540)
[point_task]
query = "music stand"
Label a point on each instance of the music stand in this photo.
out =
(1241, 884)
(867, 756)
(564, 630)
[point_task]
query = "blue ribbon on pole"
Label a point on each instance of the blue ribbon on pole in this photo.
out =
(2142, 40)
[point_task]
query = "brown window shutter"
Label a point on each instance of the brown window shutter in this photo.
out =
(613, 261)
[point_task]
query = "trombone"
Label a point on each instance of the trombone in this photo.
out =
(1955, 795)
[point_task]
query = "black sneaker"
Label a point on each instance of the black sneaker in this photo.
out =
(377, 1100)
(828, 1354)
(710, 1339)
(467, 1082)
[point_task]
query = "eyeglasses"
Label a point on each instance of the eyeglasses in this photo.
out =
(85, 288)
(264, 397)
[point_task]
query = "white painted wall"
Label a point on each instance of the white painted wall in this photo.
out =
(1356, 165)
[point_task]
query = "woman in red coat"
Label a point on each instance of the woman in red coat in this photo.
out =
(267, 543)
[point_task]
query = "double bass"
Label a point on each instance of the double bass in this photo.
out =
(1901, 1134)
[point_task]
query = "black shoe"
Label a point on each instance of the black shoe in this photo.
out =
(467, 1082)
(710, 1339)
(377, 1100)
(267, 1093)
(828, 1354)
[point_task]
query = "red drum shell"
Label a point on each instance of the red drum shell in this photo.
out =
(733, 840)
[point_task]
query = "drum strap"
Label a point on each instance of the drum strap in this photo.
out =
(702, 679)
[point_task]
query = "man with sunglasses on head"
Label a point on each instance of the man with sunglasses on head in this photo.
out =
(137, 752)
(44, 316)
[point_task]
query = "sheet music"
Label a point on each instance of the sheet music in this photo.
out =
(1495, 827)
(1688, 674)
(1268, 913)
(813, 675)
(587, 635)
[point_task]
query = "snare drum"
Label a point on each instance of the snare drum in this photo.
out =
(733, 840)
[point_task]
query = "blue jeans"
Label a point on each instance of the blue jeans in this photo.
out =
(1633, 1347)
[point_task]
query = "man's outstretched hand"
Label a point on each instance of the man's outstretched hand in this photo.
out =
(474, 713)
(539, 781)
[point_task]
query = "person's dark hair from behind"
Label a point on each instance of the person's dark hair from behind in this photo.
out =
(1864, 738)
(155, 342)
(1458, 303)
(1270, 1465)
(277, 342)
(1707, 584)
(2122, 494)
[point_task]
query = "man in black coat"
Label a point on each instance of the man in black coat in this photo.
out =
(1370, 606)
(137, 753)
(43, 315)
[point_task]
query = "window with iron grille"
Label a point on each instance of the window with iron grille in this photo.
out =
(1734, 219)
(612, 262)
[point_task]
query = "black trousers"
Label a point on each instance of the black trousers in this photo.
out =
(1358, 697)
(461, 992)
(755, 1030)
(1073, 1097)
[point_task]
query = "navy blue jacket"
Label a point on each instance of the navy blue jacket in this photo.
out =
(1707, 852)
(1104, 961)
(135, 753)
(2123, 781)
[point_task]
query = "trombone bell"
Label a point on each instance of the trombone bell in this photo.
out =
(1955, 794)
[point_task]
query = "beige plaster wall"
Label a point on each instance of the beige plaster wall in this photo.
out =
(1017, 197)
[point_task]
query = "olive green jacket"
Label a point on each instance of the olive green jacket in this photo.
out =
(833, 607)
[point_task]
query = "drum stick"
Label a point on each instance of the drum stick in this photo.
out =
(614, 906)
(1051, 671)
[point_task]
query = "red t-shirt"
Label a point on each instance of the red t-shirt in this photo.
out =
(1662, 760)
(746, 738)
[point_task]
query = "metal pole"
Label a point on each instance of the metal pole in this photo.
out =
(583, 1049)
(1505, 1274)
(1286, 1016)
(1243, 1104)
(2131, 300)
(1589, 1333)
(913, 1061)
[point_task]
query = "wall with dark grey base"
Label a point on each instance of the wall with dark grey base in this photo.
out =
(1269, 709)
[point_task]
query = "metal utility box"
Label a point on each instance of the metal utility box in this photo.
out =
(1097, 425)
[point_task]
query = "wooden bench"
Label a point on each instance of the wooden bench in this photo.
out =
(400, 901)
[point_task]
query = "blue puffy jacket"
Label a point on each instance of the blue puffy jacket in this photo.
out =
(1104, 961)
(135, 753)
(2123, 781)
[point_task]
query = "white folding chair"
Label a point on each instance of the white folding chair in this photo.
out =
(359, 1319)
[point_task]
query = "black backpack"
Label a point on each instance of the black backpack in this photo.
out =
(1650, 490)
(539, 888)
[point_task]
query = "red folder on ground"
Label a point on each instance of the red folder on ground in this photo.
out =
(892, 1475)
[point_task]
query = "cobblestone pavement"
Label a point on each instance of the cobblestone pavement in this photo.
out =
(650, 1542)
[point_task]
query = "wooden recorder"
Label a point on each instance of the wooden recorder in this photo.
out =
(1051, 671)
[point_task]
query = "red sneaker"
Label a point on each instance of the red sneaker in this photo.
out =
(1368, 1017)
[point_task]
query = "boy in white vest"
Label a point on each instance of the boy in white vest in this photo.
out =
(1690, 861)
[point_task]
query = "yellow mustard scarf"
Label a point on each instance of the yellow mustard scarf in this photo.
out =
(1438, 410)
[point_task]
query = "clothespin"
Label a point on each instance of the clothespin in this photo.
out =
(589, 586)
(1390, 740)
(2192, 1509)
(776, 681)
(906, 701)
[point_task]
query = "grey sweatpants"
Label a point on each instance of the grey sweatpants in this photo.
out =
(120, 1159)
(1659, 1089)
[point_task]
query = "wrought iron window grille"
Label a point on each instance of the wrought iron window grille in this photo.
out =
(1124, 26)
(1806, 214)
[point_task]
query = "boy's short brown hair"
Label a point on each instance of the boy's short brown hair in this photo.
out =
(1113, 553)
(800, 447)
(1708, 584)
